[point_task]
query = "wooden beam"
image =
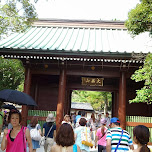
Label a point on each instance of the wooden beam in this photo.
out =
(40, 118)
(83, 72)
(133, 124)
(75, 86)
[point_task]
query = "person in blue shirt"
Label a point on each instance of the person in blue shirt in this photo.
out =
(78, 116)
(49, 131)
(78, 132)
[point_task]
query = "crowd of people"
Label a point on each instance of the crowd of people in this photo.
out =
(76, 134)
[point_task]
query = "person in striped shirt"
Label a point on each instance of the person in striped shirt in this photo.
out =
(114, 134)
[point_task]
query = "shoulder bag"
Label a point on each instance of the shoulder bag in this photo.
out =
(35, 134)
(119, 141)
(85, 138)
(43, 139)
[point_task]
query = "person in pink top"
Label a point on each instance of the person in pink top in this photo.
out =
(101, 136)
(15, 139)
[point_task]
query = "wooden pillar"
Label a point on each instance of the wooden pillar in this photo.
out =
(69, 101)
(122, 100)
(27, 86)
(116, 106)
(61, 98)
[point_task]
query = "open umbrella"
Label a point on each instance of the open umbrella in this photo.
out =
(8, 106)
(17, 97)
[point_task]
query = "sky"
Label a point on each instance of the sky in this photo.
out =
(85, 9)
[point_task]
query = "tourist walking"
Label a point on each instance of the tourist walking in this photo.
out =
(82, 116)
(14, 140)
(78, 135)
(101, 136)
(99, 120)
(92, 123)
(141, 138)
(65, 141)
(34, 125)
(107, 119)
(118, 139)
(49, 131)
(66, 119)
(77, 119)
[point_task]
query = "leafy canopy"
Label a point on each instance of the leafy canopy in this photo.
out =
(144, 74)
(16, 15)
(11, 74)
(140, 18)
(97, 99)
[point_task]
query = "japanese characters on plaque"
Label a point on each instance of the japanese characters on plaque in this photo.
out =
(92, 81)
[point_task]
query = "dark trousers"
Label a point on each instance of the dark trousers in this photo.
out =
(101, 148)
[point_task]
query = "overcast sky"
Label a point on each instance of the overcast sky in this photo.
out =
(85, 9)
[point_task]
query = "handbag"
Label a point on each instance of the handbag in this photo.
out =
(119, 141)
(43, 139)
(35, 134)
(86, 138)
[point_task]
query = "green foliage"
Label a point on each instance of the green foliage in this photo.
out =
(144, 74)
(11, 74)
(97, 99)
(140, 18)
(16, 16)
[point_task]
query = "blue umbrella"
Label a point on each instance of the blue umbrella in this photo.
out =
(17, 97)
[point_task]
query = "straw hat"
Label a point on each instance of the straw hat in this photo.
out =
(50, 118)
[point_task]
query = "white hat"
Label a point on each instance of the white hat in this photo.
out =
(50, 118)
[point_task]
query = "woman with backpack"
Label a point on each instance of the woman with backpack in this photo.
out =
(49, 131)
(32, 126)
(101, 136)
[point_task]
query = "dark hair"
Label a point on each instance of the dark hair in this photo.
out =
(93, 117)
(83, 113)
(79, 113)
(34, 121)
(82, 121)
(117, 123)
(142, 135)
(50, 124)
(65, 135)
(14, 111)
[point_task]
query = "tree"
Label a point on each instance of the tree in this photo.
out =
(140, 18)
(11, 74)
(139, 21)
(16, 16)
(98, 100)
(144, 74)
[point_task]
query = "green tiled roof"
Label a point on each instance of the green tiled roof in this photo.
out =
(73, 40)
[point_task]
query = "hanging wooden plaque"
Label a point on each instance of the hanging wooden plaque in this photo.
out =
(92, 81)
